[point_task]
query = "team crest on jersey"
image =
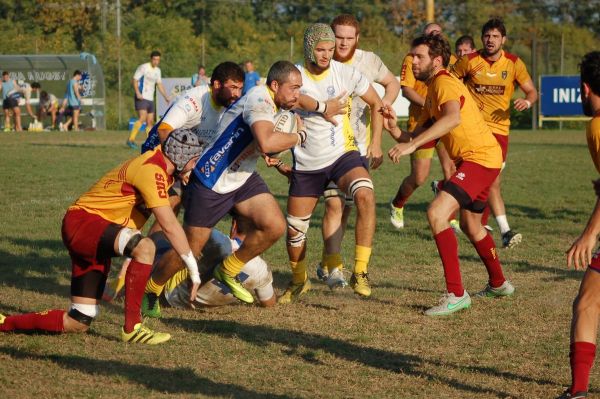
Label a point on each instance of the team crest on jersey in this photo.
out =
(330, 91)
(504, 74)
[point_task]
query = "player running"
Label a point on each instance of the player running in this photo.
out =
(491, 74)
(451, 115)
(104, 223)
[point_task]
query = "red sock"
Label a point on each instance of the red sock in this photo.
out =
(440, 184)
(486, 248)
(582, 358)
(447, 246)
(48, 320)
(135, 282)
(486, 215)
(400, 199)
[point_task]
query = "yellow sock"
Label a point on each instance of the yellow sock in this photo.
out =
(134, 130)
(332, 261)
(324, 259)
(361, 258)
(152, 287)
(148, 128)
(177, 279)
(299, 271)
(232, 266)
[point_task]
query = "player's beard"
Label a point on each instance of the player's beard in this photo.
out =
(425, 73)
(487, 53)
(339, 58)
(586, 104)
(223, 99)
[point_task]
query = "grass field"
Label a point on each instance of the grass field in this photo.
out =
(331, 344)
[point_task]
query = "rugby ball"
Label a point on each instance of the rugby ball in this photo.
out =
(284, 122)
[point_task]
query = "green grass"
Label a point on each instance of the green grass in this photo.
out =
(332, 345)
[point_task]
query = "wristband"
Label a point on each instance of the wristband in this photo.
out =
(321, 107)
(192, 266)
(528, 103)
(301, 137)
(279, 163)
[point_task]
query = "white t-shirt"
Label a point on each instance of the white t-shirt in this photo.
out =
(147, 78)
(195, 109)
(255, 276)
(370, 65)
(230, 160)
(325, 143)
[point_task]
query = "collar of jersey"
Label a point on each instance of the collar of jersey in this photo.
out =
(272, 95)
(318, 77)
(490, 63)
(213, 103)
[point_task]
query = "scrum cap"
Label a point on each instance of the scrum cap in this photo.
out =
(314, 34)
(181, 146)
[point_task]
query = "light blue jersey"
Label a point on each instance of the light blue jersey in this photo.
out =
(72, 100)
(8, 89)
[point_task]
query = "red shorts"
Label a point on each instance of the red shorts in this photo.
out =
(470, 185)
(595, 265)
(503, 141)
(429, 144)
(90, 241)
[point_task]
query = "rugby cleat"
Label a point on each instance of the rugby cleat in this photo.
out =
(293, 292)
(506, 289)
(2, 318)
(132, 145)
(435, 187)
(396, 216)
(144, 335)
(322, 272)
(511, 239)
(336, 279)
(360, 284)
(450, 303)
(235, 285)
(151, 305)
(577, 395)
(455, 226)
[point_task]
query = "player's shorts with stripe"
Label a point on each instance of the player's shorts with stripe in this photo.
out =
(470, 185)
(90, 241)
(144, 105)
(204, 207)
(313, 183)
(502, 139)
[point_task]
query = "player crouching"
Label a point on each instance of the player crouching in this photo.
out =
(104, 223)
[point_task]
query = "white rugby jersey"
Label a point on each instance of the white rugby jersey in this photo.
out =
(255, 276)
(325, 143)
(230, 160)
(147, 78)
(370, 65)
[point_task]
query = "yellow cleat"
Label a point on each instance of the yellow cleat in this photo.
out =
(360, 284)
(144, 335)
(293, 292)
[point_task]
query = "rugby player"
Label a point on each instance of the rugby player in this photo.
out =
(337, 206)
(225, 180)
(586, 307)
(491, 74)
(145, 78)
(420, 162)
(464, 45)
(330, 154)
(10, 101)
(71, 105)
(104, 223)
(451, 115)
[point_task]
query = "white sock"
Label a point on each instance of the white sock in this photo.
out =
(502, 224)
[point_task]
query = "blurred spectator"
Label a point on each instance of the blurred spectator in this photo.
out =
(72, 102)
(10, 101)
(200, 78)
(48, 106)
(252, 77)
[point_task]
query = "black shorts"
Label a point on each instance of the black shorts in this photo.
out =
(144, 105)
(10, 103)
(204, 207)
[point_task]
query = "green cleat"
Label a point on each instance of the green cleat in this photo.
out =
(151, 305)
(450, 304)
(506, 289)
(360, 284)
(144, 335)
(235, 285)
(396, 216)
(293, 292)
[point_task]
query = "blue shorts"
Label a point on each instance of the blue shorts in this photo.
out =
(144, 105)
(204, 207)
(313, 183)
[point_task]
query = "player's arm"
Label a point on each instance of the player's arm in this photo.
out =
(270, 141)
(580, 253)
(392, 88)
(135, 82)
(531, 96)
(374, 151)
(77, 89)
(174, 232)
(449, 120)
(162, 91)
(411, 95)
(390, 123)
(330, 108)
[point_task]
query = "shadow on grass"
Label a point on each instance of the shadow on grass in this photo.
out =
(181, 380)
(300, 343)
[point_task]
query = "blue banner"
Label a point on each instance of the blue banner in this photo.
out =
(560, 96)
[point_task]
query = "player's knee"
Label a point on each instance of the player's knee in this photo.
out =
(144, 250)
(297, 227)
(361, 190)
(277, 227)
(586, 302)
(79, 317)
